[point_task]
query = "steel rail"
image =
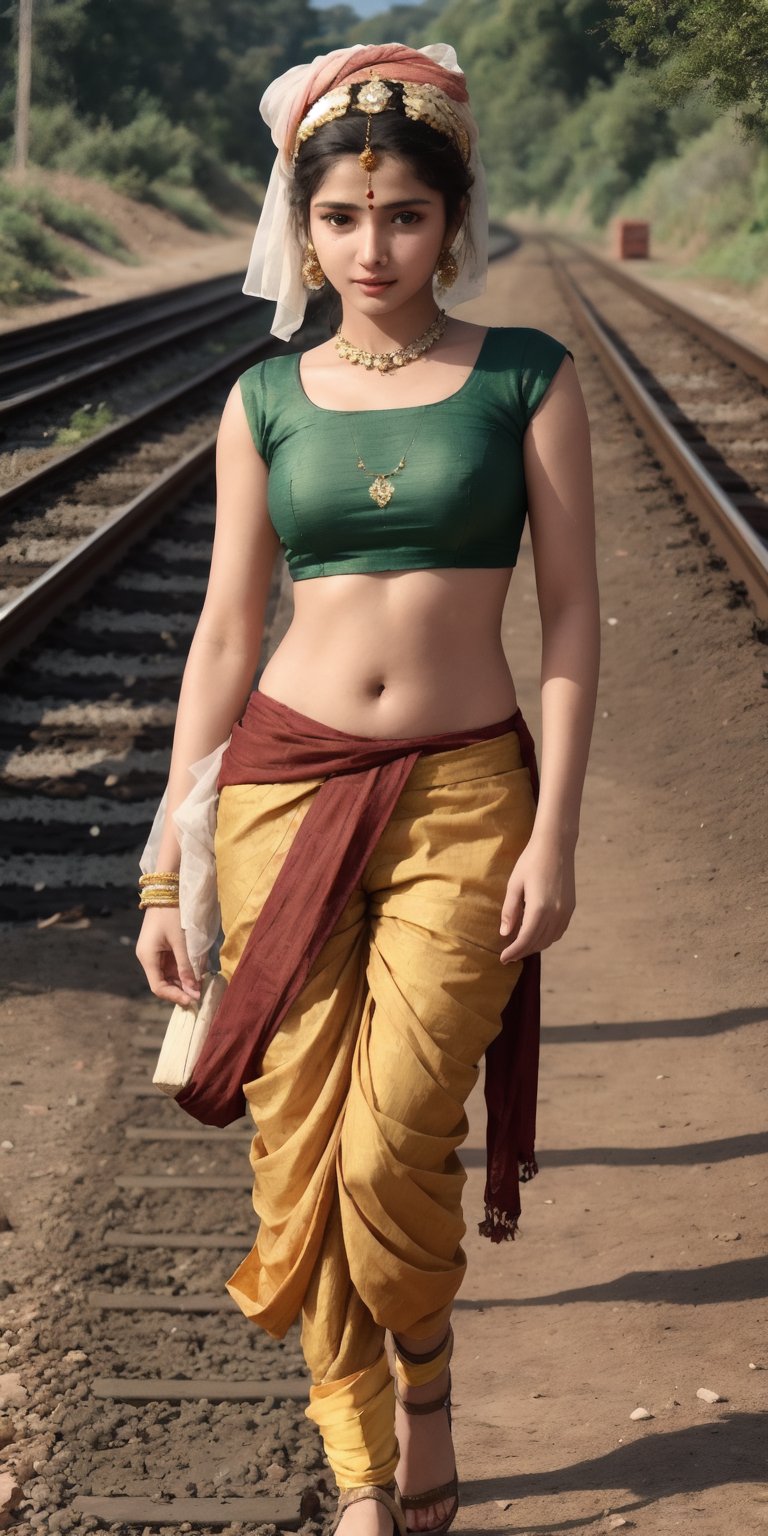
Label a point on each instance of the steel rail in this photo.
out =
(27, 345)
(749, 359)
(23, 619)
(222, 310)
(85, 453)
(745, 552)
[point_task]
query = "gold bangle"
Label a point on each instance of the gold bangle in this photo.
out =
(159, 901)
(170, 877)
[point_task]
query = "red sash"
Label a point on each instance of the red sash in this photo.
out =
(363, 778)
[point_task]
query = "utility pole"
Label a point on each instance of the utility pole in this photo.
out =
(23, 87)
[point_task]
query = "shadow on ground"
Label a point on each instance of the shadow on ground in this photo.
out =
(653, 1029)
(657, 1466)
(741, 1280)
(688, 1154)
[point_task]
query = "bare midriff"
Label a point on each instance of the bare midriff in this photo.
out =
(396, 653)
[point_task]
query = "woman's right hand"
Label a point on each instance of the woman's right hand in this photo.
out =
(162, 953)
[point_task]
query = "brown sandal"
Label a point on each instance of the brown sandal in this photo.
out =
(449, 1490)
(389, 1496)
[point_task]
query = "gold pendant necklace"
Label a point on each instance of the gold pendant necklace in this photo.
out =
(381, 489)
(386, 362)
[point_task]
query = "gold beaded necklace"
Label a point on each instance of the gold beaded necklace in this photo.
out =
(386, 362)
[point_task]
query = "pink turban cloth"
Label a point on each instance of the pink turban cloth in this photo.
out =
(393, 61)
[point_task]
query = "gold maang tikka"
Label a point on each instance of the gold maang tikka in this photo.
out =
(368, 159)
(372, 97)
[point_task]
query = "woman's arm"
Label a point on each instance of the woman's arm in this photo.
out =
(556, 450)
(222, 659)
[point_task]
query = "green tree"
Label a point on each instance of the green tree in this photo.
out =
(333, 27)
(413, 24)
(718, 46)
(528, 64)
(204, 65)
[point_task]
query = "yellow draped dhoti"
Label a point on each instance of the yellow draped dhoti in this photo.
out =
(359, 1106)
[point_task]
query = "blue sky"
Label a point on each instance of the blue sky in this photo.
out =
(363, 7)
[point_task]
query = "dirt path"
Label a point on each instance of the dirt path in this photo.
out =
(638, 1277)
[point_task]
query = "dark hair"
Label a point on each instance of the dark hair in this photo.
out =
(434, 159)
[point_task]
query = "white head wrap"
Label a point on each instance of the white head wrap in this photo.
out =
(274, 269)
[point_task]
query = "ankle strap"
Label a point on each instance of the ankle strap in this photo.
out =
(444, 1401)
(417, 1370)
(388, 1496)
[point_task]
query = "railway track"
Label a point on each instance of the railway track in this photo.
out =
(170, 1408)
(58, 347)
(186, 1230)
(87, 720)
(44, 552)
(700, 396)
(51, 496)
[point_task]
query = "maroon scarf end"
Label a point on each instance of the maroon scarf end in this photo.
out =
(212, 1102)
(498, 1225)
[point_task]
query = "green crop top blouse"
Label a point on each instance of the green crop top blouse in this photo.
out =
(459, 501)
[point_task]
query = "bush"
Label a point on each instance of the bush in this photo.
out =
(741, 259)
(22, 235)
(53, 132)
(185, 203)
(150, 148)
(79, 223)
(21, 283)
(30, 257)
(606, 144)
(712, 200)
(146, 159)
(226, 187)
(706, 188)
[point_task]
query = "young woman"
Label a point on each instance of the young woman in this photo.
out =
(386, 877)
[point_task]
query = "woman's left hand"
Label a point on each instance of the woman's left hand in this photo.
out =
(540, 899)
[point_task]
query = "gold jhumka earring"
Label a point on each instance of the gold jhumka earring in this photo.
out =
(312, 274)
(447, 269)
